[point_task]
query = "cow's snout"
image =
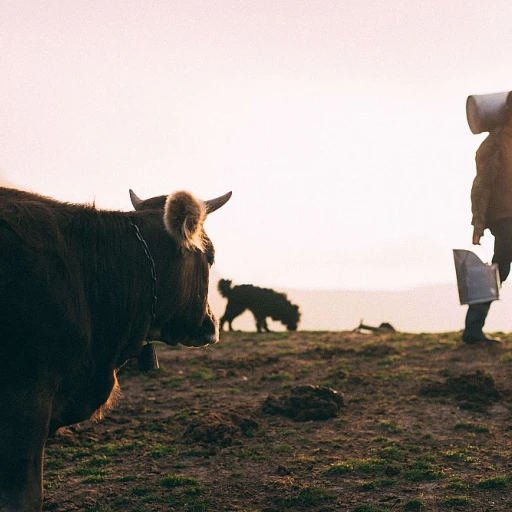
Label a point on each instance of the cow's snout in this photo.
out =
(189, 333)
(208, 333)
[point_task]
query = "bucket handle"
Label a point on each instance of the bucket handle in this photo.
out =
(484, 253)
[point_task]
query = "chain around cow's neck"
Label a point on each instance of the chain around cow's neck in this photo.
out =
(153, 272)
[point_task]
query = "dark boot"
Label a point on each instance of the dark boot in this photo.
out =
(475, 320)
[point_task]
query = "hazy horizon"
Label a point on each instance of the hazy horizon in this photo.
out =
(339, 127)
(427, 308)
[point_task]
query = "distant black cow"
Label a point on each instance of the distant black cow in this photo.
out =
(262, 302)
(80, 290)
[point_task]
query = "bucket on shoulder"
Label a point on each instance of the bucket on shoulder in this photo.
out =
(477, 281)
(486, 111)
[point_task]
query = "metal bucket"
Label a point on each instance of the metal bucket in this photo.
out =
(477, 281)
(486, 111)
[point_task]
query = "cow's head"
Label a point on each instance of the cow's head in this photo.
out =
(183, 314)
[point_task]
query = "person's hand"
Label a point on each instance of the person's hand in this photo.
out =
(477, 234)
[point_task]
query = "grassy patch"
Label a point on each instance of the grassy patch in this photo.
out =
(74, 453)
(304, 460)
(495, 482)
(463, 454)
(367, 466)
(456, 484)
(174, 381)
(54, 464)
(116, 448)
(173, 480)
(468, 426)
(127, 478)
(369, 508)
(202, 374)
(88, 472)
(414, 506)
(254, 453)
(93, 479)
(282, 448)
(422, 472)
(97, 462)
(308, 496)
(389, 426)
(454, 502)
(139, 491)
(383, 440)
(280, 376)
(161, 450)
(391, 453)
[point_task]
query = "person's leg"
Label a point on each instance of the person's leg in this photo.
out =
(475, 320)
(502, 232)
(477, 313)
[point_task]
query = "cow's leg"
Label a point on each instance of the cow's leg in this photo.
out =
(24, 421)
(265, 326)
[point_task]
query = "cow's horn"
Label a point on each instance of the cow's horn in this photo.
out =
(136, 201)
(215, 204)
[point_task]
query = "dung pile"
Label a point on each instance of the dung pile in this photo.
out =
(221, 429)
(304, 403)
(473, 391)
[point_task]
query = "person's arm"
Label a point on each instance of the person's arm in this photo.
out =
(487, 163)
(477, 234)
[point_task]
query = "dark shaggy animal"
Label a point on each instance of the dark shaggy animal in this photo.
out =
(80, 291)
(383, 327)
(262, 302)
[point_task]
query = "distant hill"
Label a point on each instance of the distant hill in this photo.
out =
(423, 309)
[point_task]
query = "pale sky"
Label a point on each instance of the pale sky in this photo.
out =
(339, 126)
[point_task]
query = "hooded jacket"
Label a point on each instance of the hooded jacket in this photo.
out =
(491, 193)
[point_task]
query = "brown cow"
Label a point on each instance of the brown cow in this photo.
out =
(80, 290)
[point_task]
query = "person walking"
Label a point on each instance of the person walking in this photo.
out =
(491, 206)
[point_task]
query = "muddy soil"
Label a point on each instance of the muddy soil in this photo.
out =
(308, 421)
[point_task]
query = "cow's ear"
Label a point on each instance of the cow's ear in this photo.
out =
(184, 216)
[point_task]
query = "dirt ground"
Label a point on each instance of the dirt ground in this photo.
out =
(306, 421)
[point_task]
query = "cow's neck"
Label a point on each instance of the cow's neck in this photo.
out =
(147, 358)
